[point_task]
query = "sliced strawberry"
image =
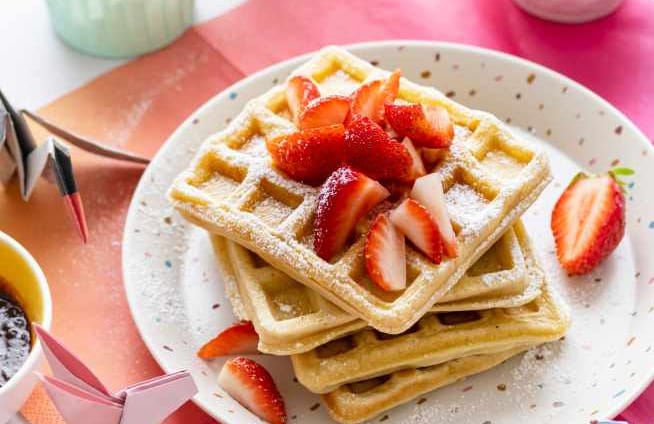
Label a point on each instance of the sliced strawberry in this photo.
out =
(428, 191)
(252, 386)
(309, 155)
(300, 91)
(588, 222)
(415, 222)
(417, 167)
(432, 157)
(346, 196)
(426, 126)
(240, 338)
(371, 150)
(368, 100)
(324, 111)
(385, 255)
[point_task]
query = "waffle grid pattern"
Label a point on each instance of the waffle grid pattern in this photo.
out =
(232, 190)
(290, 318)
(436, 338)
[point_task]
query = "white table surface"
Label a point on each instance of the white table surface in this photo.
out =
(36, 67)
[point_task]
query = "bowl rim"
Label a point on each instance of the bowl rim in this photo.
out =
(44, 290)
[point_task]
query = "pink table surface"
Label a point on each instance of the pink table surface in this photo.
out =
(612, 56)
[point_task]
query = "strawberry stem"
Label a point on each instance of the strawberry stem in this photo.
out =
(625, 172)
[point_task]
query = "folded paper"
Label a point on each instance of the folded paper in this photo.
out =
(80, 396)
(20, 155)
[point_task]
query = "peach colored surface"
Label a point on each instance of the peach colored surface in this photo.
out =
(138, 105)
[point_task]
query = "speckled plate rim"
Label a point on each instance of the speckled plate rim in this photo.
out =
(142, 325)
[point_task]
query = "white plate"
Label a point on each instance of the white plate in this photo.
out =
(177, 300)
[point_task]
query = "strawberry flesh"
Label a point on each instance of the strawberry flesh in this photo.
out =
(426, 126)
(324, 111)
(428, 191)
(371, 150)
(385, 255)
(240, 338)
(300, 90)
(415, 222)
(588, 222)
(417, 167)
(309, 155)
(346, 196)
(368, 100)
(252, 386)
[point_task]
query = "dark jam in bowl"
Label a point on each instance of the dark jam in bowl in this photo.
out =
(15, 338)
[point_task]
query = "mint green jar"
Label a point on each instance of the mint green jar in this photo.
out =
(120, 28)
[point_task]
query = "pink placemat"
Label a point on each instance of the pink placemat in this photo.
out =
(139, 104)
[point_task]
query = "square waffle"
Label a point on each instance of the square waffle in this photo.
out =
(356, 402)
(436, 338)
(490, 177)
(290, 318)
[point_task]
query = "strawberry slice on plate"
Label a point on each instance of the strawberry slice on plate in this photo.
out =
(300, 90)
(385, 255)
(252, 386)
(324, 111)
(346, 196)
(588, 222)
(415, 222)
(426, 126)
(371, 150)
(368, 100)
(238, 339)
(417, 166)
(309, 155)
(428, 191)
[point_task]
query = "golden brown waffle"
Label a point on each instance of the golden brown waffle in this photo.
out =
(490, 178)
(291, 318)
(434, 339)
(357, 402)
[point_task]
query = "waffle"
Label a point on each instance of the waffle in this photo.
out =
(490, 178)
(434, 339)
(357, 402)
(290, 318)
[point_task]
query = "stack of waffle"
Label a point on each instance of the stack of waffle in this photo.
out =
(363, 349)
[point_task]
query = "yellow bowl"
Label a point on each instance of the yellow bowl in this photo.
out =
(27, 283)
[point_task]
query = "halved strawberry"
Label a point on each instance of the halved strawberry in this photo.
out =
(368, 100)
(428, 191)
(432, 157)
(385, 254)
(252, 386)
(415, 222)
(324, 111)
(371, 150)
(240, 338)
(346, 196)
(426, 126)
(588, 222)
(417, 167)
(300, 90)
(309, 155)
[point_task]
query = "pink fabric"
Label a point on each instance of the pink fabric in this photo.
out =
(613, 56)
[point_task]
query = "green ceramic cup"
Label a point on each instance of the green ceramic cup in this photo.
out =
(120, 28)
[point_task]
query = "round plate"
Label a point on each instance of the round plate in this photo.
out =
(177, 300)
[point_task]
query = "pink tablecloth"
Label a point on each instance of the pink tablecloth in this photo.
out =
(139, 104)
